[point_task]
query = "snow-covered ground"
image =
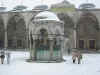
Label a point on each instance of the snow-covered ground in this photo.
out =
(18, 66)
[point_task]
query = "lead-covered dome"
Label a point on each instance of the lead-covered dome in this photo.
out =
(19, 8)
(41, 7)
(64, 3)
(63, 6)
(87, 6)
(46, 15)
(2, 9)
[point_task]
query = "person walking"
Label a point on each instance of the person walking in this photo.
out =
(79, 57)
(8, 57)
(2, 56)
(74, 56)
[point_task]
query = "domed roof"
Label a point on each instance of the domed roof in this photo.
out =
(2, 9)
(87, 6)
(19, 7)
(46, 15)
(64, 3)
(64, 6)
(41, 7)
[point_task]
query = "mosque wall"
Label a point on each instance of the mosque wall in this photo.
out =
(14, 28)
(87, 29)
(78, 32)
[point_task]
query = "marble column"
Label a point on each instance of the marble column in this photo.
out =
(30, 46)
(34, 51)
(6, 39)
(75, 39)
(51, 49)
(5, 32)
(61, 48)
(27, 38)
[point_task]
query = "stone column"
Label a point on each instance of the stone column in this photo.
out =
(6, 39)
(34, 51)
(27, 38)
(5, 19)
(30, 46)
(14, 42)
(27, 33)
(61, 48)
(51, 49)
(75, 46)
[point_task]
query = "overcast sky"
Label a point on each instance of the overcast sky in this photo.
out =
(31, 3)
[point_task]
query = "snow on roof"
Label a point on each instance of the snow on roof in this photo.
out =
(64, 3)
(2, 9)
(46, 15)
(41, 7)
(87, 6)
(19, 7)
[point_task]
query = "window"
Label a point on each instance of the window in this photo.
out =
(19, 43)
(92, 44)
(1, 44)
(81, 43)
(10, 42)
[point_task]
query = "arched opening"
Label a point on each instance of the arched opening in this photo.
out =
(57, 40)
(42, 40)
(42, 44)
(16, 30)
(68, 31)
(47, 46)
(68, 24)
(87, 31)
(2, 32)
(43, 37)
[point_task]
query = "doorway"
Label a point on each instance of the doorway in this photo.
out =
(92, 44)
(81, 44)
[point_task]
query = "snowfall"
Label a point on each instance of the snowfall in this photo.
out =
(19, 66)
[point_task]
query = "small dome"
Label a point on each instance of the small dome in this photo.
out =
(2, 9)
(46, 15)
(19, 7)
(41, 7)
(87, 6)
(63, 4)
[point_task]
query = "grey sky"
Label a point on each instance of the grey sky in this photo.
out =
(31, 3)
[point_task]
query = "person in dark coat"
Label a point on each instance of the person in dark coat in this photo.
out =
(74, 56)
(2, 56)
(79, 57)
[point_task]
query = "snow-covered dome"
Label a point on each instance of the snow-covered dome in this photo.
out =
(19, 7)
(64, 3)
(46, 15)
(2, 9)
(62, 7)
(41, 7)
(87, 6)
